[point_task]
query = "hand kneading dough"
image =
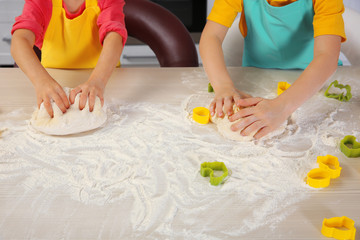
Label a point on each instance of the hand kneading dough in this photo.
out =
(73, 121)
(224, 127)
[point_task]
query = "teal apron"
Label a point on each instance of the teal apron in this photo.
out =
(279, 37)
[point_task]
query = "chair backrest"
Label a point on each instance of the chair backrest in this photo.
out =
(162, 31)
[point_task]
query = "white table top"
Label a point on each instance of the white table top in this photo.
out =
(42, 212)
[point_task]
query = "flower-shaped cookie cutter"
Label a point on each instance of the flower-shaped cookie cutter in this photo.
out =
(331, 164)
(350, 147)
(201, 115)
(339, 228)
(282, 86)
(339, 96)
(207, 169)
(318, 178)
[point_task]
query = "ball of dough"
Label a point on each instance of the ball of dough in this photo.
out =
(224, 127)
(71, 122)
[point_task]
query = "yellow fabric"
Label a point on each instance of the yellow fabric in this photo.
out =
(72, 43)
(327, 19)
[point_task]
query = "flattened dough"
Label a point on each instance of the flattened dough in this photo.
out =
(224, 128)
(73, 121)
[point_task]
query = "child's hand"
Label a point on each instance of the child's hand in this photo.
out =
(260, 115)
(89, 89)
(50, 90)
(225, 99)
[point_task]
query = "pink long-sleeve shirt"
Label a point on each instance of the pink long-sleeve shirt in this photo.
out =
(36, 17)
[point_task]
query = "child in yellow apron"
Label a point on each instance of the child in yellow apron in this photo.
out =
(282, 34)
(69, 44)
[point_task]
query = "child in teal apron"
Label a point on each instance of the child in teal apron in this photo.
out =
(281, 34)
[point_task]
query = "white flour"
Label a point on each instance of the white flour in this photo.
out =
(151, 154)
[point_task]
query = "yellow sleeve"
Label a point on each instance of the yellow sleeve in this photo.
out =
(328, 18)
(224, 12)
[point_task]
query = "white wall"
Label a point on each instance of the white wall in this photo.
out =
(354, 4)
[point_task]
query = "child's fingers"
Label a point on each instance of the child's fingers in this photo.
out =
(57, 99)
(64, 98)
(48, 107)
(253, 127)
(212, 108)
(219, 108)
(247, 102)
(228, 106)
(262, 132)
(39, 101)
(91, 100)
(237, 100)
(242, 113)
(83, 99)
(101, 96)
(244, 123)
(73, 94)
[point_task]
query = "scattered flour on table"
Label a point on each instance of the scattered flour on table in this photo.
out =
(71, 122)
(151, 163)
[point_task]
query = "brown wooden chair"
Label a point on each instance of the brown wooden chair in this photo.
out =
(162, 31)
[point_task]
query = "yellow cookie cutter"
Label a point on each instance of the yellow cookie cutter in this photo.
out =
(331, 164)
(282, 86)
(318, 178)
(201, 115)
(332, 228)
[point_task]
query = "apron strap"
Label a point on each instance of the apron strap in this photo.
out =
(91, 3)
(57, 3)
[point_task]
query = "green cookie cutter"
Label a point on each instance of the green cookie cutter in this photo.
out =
(210, 88)
(341, 96)
(350, 147)
(207, 169)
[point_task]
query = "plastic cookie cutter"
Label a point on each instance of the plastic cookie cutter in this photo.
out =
(210, 88)
(318, 178)
(339, 96)
(207, 169)
(331, 164)
(350, 147)
(339, 228)
(282, 86)
(201, 115)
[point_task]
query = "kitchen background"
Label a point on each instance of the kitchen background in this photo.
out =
(191, 12)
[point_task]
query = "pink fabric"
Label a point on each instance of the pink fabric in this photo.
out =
(36, 16)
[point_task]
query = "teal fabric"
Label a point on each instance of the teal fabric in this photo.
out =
(279, 37)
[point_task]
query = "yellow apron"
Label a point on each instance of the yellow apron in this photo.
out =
(72, 43)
